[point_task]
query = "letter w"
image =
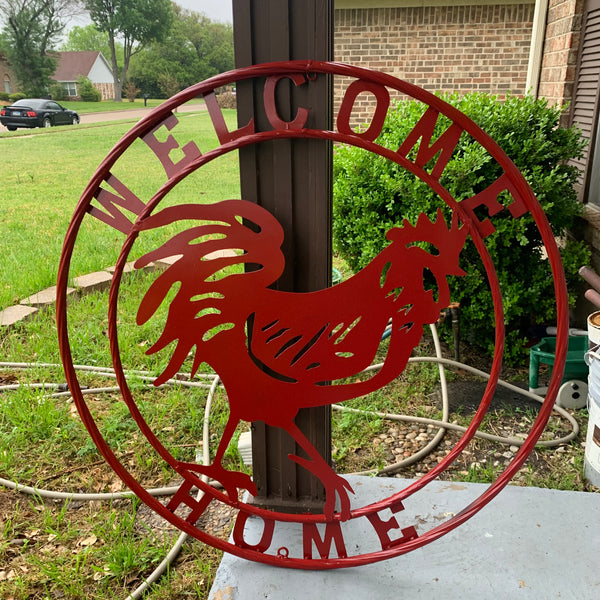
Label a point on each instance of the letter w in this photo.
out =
(444, 145)
(125, 198)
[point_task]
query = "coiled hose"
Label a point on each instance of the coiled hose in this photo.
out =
(212, 381)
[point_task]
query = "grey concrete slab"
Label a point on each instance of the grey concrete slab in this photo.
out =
(528, 543)
(93, 282)
(15, 314)
(45, 298)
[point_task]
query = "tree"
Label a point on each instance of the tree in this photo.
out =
(195, 49)
(31, 28)
(135, 23)
(90, 39)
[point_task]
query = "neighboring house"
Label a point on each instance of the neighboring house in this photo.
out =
(93, 65)
(8, 80)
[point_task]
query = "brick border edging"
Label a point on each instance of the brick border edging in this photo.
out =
(92, 282)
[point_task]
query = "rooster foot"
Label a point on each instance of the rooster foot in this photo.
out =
(340, 487)
(232, 481)
(334, 485)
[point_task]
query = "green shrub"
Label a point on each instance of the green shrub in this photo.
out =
(131, 91)
(56, 92)
(372, 194)
(16, 96)
(87, 91)
(4, 97)
(227, 100)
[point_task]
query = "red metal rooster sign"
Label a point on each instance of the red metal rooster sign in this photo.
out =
(277, 352)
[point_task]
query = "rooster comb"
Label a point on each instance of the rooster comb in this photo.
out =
(448, 240)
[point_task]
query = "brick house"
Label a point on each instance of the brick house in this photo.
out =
(549, 48)
(8, 80)
(70, 66)
(448, 46)
(93, 65)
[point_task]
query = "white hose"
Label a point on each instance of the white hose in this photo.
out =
(443, 425)
(433, 443)
(176, 549)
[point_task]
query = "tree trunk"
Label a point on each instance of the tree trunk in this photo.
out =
(115, 69)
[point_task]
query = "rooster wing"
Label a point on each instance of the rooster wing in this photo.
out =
(317, 337)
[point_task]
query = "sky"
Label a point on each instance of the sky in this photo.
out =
(216, 10)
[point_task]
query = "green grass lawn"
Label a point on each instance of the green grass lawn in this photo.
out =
(78, 550)
(110, 105)
(43, 174)
(91, 550)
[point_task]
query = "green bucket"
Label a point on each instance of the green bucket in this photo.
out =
(544, 353)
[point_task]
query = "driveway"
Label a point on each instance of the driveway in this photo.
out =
(133, 113)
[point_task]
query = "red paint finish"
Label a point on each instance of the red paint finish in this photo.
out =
(274, 351)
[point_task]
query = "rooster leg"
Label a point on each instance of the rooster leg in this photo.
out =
(316, 464)
(232, 481)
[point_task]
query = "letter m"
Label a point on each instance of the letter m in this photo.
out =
(110, 201)
(444, 145)
(333, 533)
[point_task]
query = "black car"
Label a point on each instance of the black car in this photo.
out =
(36, 112)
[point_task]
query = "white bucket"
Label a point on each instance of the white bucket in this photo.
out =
(593, 328)
(592, 440)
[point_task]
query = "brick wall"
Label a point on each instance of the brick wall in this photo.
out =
(106, 89)
(560, 50)
(451, 48)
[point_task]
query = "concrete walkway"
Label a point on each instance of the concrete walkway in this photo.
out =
(133, 113)
(527, 544)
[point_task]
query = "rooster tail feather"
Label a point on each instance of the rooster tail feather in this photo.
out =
(197, 363)
(177, 359)
(157, 292)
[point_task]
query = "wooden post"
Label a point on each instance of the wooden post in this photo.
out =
(292, 179)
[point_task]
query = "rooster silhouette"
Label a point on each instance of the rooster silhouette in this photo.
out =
(277, 351)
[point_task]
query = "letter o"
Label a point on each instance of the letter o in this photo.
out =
(265, 540)
(383, 102)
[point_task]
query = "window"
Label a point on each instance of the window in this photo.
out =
(69, 88)
(7, 86)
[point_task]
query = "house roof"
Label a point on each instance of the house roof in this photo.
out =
(73, 64)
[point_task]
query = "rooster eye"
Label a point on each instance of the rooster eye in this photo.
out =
(429, 247)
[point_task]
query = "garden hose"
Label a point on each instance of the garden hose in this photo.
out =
(443, 425)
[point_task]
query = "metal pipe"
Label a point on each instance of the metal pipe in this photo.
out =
(591, 277)
(455, 312)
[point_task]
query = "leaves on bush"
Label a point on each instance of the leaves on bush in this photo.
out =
(372, 194)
